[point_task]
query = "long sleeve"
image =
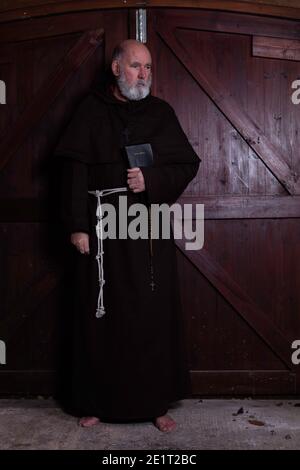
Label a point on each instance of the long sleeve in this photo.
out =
(176, 164)
(74, 196)
(72, 154)
(166, 183)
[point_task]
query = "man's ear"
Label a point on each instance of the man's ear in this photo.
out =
(115, 67)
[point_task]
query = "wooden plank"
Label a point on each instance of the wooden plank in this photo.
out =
(6, 4)
(50, 26)
(249, 207)
(241, 302)
(41, 8)
(34, 8)
(83, 49)
(284, 10)
(206, 20)
(215, 207)
(233, 23)
(276, 48)
(243, 382)
(251, 132)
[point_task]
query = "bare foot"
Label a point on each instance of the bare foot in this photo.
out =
(88, 421)
(165, 423)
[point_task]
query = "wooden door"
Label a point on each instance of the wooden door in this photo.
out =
(233, 97)
(47, 64)
(241, 292)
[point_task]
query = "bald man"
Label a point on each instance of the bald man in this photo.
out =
(129, 360)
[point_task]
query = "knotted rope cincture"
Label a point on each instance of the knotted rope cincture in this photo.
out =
(100, 311)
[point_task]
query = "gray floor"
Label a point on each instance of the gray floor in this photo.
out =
(202, 424)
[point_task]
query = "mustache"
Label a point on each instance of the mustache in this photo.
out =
(143, 82)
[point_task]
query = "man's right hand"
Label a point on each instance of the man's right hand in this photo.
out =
(81, 241)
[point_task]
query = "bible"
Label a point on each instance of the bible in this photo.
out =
(139, 155)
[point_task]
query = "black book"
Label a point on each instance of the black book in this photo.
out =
(139, 155)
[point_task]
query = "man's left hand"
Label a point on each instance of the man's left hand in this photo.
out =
(135, 180)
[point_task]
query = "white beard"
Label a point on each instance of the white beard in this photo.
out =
(134, 92)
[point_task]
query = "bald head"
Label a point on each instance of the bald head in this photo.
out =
(128, 46)
(131, 66)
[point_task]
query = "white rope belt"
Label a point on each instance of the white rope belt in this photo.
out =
(100, 311)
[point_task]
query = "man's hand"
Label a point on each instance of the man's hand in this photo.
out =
(81, 241)
(135, 180)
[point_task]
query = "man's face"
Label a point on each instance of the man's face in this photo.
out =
(136, 65)
(134, 72)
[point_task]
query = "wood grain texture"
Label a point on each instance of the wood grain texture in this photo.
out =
(30, 8)
(234, 23)
(240, 300)
(254, 136)
(234, 383)
(48, 26)
(48, 92)
(276, 48)
(251, 207)
(34, 291)
(241, 295)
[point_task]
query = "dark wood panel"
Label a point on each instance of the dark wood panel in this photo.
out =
(218, 338)
(239, 207)
(231, 23)
(241, 301)
(275, 48)
(231, 306)
(35, 291)
(253, 261)
(24, 210)
(261, 256)
(273, 158)
(27, 303)
(244, 383)
(33, 296)
(215, 207)
(49, 26)
(218, 144)
(47, 94)
(30, 8)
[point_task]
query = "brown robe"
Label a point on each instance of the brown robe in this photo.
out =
(131, 363)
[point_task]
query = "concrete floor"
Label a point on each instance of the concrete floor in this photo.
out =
(202, 424)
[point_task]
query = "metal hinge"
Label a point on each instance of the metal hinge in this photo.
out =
(141, 25)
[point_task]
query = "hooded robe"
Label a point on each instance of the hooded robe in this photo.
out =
(131, 363)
